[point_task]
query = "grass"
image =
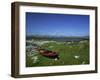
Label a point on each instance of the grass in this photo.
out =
(70, 53)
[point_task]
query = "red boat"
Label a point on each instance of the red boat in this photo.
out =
(49, 54)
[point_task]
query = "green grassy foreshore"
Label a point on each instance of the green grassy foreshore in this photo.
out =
(70, 53)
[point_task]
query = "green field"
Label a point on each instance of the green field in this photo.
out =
(70, 53)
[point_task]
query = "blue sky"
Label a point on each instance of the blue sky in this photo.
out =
(57, 24)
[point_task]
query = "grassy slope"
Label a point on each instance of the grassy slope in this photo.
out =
(67, 53)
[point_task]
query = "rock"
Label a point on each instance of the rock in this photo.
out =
(76, 57)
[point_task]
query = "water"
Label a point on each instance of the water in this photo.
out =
(63, 39)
